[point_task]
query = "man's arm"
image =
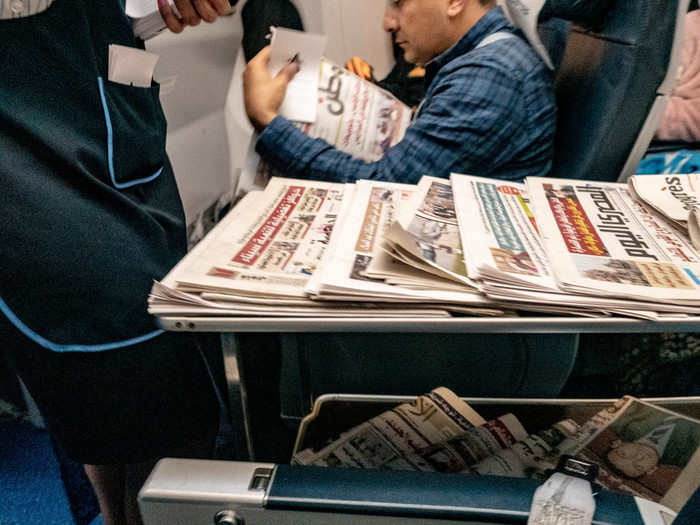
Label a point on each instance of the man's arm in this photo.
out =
(192, 12)
(465, 126)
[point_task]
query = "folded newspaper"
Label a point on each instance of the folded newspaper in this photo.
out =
(394, 439)
(676, 197)
(640, 449)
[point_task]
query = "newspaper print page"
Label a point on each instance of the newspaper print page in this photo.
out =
(530, 457)
(673, 195)
(353, 114)
(360, 240)
(475, 444)
(274, 247)
(598, 245)
(427, 229)
(393, 440)
(643, 450)
(499, 232)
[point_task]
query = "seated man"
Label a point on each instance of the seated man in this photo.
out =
(489, 108)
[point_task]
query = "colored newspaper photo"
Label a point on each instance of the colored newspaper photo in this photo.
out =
(599, 244)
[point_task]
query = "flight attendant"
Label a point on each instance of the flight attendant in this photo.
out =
(90, 216)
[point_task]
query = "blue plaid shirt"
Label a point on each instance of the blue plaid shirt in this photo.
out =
(488, 111)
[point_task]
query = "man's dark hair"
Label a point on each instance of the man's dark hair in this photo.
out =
(488, 3)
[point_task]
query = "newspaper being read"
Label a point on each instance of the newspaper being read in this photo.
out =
(599, 244)
(641, 449)
(353, 114)
(394, 439)
(358, 241)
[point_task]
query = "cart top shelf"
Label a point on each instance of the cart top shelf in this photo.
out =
(530, 324)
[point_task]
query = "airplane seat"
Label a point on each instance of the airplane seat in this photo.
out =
(619, 66)
(614, 66)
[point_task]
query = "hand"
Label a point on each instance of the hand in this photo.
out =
(263, 94)
(360, 67)
(191, 12)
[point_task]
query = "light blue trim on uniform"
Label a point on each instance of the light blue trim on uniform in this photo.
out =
(41, 341)
(110, 147)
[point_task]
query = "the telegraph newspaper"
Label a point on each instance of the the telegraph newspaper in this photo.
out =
(353, 114)
(598, 244)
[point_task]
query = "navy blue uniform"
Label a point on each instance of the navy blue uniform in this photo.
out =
(90, 216)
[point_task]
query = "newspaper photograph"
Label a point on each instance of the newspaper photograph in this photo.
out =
(359, 240)
(499, 232)
(272, 248)
(530, 457)
(598, 244)
(426, 236)
(353, 114)
(393, 440)
(643, 450)
(474, 445)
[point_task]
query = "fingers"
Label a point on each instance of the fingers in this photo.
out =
(262, 58)
(188, 14)
(171, 21)
(205, 10)
(222, 7)
(192, 12)
(286, 74)
(359, 67)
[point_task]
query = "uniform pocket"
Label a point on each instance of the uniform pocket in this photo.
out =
(135, 133)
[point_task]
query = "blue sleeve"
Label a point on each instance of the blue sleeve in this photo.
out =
(466, 126)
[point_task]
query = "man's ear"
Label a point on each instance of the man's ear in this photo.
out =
(455, 7)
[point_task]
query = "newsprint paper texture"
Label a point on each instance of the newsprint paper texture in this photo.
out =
(393, 439)
(641, 449)
(354, 115)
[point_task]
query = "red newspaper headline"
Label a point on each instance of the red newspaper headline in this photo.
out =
(269, 229)
(576, 229)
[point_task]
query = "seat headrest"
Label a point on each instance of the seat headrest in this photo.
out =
(589, 13)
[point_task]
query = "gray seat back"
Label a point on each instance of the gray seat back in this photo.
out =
(619, 64)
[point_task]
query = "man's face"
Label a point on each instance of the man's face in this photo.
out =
(633, 459)
(420, 26)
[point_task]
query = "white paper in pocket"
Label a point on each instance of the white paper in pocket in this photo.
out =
(131, 66)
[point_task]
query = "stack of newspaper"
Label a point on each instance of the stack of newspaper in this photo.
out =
(465, 245)
(612, 252)
(641, 449)
(259, 260)
(675, 197)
